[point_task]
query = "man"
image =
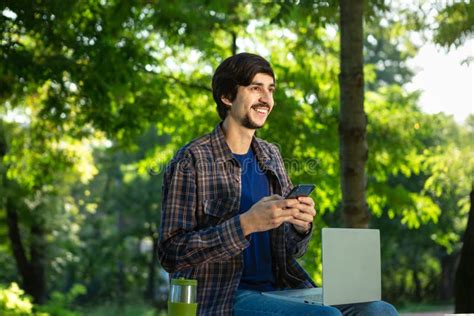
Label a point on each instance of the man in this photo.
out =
(224, 220)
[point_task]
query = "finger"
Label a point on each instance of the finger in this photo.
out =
(299, 223)
(303, 217)
(297, 213)
(306, 200)
(276, 222)
(304, 208)
(274, 197)
(286, 203)
(290, 211)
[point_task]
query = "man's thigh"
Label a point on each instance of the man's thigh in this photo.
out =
(368, 309)
(252, 303)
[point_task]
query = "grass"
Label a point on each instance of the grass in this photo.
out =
(142, 309)
(126, 310)
(426, 307)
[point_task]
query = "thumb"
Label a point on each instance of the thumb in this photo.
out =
(274, 197)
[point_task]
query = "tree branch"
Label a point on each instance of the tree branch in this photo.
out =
(189, 84)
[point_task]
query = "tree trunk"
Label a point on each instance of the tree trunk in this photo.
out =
(32, 271)
(150, 293)
(38, 250)
(22, 263)
(417, 281)
(353, 149)
(448, 272)
(234, 43)
(120, 262)
(464, 284)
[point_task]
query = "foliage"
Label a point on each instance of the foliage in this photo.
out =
(13, 301)
(456, 23)
(60, 304)
(97, 96)
(127, 310)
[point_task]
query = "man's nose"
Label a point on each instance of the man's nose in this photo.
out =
(266, 97)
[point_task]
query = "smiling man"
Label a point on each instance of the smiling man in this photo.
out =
(224, 220)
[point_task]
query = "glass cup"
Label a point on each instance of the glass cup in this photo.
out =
(182, 299)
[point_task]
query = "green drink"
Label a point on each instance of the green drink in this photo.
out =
(182, 300)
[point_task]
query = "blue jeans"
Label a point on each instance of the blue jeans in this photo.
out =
(253, 303)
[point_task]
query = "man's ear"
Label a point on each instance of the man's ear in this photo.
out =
(226, 101)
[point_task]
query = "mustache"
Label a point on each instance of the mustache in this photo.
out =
(260, 105)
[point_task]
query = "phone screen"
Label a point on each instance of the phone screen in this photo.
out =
(300, 190)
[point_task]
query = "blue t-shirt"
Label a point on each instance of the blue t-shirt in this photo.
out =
(257, 274)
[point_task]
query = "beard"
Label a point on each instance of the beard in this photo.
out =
(248, 122)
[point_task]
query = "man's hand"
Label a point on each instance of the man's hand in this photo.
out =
(272, 211)
(303, 219)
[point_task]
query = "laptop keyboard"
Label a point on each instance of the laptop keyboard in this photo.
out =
(313, 298)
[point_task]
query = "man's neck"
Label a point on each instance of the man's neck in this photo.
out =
(237, 137)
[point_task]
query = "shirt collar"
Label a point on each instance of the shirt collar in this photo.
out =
(223, 153)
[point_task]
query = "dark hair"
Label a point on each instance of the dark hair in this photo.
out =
(237, 70)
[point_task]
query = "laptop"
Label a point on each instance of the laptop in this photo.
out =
(351, 269)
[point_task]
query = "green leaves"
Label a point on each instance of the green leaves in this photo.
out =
(14, 302)
(456, 23)
(98, 95)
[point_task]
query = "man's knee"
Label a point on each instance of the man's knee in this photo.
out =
(379, 308)
(329, 311)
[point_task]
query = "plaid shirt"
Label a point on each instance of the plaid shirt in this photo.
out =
(200, 234)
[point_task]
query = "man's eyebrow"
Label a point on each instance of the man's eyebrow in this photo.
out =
(258, 83)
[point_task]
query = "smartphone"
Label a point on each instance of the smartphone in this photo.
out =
(300, 190)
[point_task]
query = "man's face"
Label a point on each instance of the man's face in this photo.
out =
(253, 103)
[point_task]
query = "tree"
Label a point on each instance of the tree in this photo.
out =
(464, 274)
(456, 25)
(36, 174)
(353, 150)
(121, 69)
